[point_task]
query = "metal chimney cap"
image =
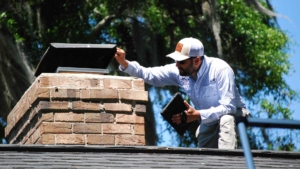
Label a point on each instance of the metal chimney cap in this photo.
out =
(75, 55)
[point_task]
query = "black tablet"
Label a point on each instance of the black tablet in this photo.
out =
(175, 106)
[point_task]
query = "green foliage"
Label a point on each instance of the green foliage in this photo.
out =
(256, 49)
(257, 46)
(252, 43)
(275, 110)
(10, 24)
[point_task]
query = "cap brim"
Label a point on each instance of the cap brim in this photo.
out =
(177, 56)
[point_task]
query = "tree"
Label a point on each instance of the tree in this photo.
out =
(243, 33)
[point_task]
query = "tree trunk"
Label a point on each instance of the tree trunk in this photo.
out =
(15, 75)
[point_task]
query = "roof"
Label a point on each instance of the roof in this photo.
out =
(56, 156)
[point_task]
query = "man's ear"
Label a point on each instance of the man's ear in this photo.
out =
(197, 60)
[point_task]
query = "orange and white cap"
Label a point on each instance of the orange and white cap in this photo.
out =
(186, 48)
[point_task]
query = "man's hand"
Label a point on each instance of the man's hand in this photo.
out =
(191, 114)
(120, 57)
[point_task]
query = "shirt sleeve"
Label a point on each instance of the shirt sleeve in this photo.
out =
(156, 76)
(227, 103)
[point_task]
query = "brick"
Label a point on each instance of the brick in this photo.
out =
(43, 81)
(73, 93)
(139, 108)
(138, 84)
(117, 83)
(116, 128)
(24, 140)
(31, 92)
(56, 128)
(85, 106)
(50, 106)
(139, 129)
(20, 128)
(70, 139)
(84, 93)
(119, 107)
(11, 116)
(130, 140)
(60, 93)
(19, 114)
(28, 141)
(134, 95)
(91, 83)
(99, 117)
(34, 124)
(102, 94)
(96, 94)
(23, 108)
(68, 117)
(98, 139)
(87, 128)
(33, 112)
(42, 93)
(48, 139)
(125, 118)
(39, 141)
(77, 82)
(139, 119)
(8, 128)
(59, 81)
(36, 135)
(83, 81)
(48, 117)
(20, 118)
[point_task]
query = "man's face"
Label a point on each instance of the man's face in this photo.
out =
(186, 67)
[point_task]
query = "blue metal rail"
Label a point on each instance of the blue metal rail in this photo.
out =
(243, 122)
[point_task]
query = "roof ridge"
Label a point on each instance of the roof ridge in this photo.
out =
(147, 149)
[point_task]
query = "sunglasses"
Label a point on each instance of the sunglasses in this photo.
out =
(183, 61)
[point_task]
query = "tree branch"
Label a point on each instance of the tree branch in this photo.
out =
(262, 9)
(104, 22)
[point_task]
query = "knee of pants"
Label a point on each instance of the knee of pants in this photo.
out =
(227, 121)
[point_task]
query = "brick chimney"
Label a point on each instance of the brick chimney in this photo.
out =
(79, 109)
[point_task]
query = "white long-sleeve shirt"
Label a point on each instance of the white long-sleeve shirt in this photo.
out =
(213, 93)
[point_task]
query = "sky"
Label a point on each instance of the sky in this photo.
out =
(290, 26)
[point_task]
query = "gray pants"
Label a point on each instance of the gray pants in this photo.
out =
(222, 134)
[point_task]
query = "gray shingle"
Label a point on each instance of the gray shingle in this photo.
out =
(19, 156)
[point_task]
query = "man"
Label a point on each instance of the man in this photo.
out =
(210, 84)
